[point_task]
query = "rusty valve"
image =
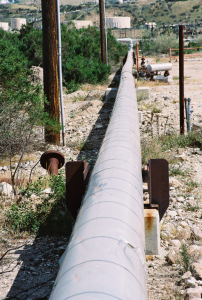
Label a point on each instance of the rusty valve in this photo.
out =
(52, 161)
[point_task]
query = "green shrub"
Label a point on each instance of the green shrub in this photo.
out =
(49, 214)
(186, 259)
(157, 147)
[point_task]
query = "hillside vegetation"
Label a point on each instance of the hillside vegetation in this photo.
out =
(161, 12)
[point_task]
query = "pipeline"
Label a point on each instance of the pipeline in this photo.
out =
(127, 40)
(105, 258)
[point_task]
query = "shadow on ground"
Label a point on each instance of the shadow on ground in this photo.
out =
(39, 260)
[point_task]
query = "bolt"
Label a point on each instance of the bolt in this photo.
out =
(52, 161)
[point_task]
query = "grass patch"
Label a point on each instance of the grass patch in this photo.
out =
(160, 147)
(178, 171)
(45, 213)
(191, 185)
(185, 258)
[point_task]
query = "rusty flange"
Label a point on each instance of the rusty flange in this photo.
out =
(52, 161)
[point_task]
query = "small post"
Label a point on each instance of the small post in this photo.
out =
(189, 115)
(170, 54)
(181, 76)
(102, 32)
(137, 55)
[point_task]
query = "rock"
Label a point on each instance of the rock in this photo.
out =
(195, 250)
(98, 126)
(47, 191)
(172, 258)
(145, 187)
(172, 214)
(193, 293)
(186, 275)
(5, 189)
(183, 224)
(197, 232)
(184, 233)
(180, 151)
(196, 269)
(180, 199)
(176, 244)
(191, 282)
(174, 182)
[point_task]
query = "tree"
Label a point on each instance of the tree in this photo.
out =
(21, 103)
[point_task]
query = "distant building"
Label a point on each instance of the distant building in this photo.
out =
(80, 23)
(4, 2)
(16, 23)
(118, 22)
(4, 26)
(118, 1)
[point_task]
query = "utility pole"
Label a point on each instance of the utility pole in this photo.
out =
(102, 32)
(50, 65)
(181, 76)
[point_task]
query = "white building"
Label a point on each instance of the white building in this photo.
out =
(118, 22)
(16, 23)
(118, 1)
(4, 26)
(80, 23)
(4, 2)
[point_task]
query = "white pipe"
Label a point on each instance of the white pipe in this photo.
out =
(159, 67)
(105, 258)
(127, 40)
(60, 72)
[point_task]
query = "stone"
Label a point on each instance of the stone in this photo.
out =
(195, 251)
(197, 232)
(174, 182)
(196, 269)
(193, 293)
(175, 243)
(184, 233)
(191, 282)
(180, 199)
(145, 187)
(186, 275)
(47, 191)
(180, 151)
(5, 189)
(172, 213)
(183, 224)
(172, 258)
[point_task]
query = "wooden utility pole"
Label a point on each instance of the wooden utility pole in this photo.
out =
(50, 65)
(102, 32)
(181, 76)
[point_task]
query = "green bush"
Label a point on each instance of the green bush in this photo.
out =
(81, 53)
(49, 213)
(157, 147)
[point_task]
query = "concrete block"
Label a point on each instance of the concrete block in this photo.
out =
(111, 93)
(152, 231)
(142, 93)
(164, 78)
